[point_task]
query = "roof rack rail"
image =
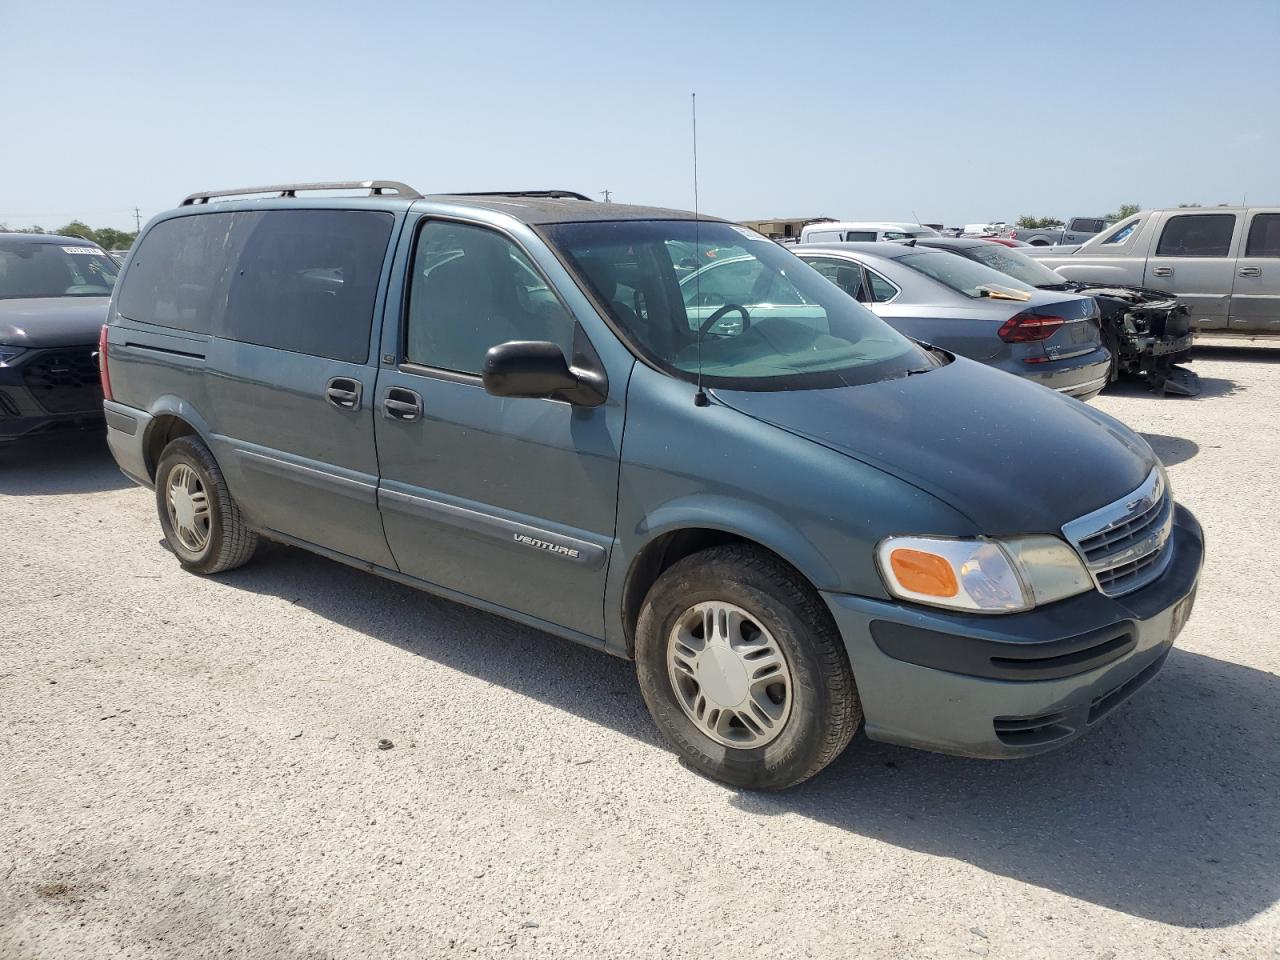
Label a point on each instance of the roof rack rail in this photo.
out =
(376, 188)
(543, 194)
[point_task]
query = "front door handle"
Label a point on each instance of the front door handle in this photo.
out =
(1250, 271)
(344, 392)
(1162, 272)
(402, 404)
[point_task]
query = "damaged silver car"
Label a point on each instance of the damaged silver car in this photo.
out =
(1148, 332)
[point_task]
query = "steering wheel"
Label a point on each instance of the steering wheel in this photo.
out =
(716, 317)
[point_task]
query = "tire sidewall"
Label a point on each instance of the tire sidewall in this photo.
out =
(776, 764)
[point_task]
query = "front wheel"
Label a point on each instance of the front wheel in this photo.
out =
(201, 521)
(744, 670)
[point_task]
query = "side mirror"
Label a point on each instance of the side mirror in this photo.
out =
(535, 368)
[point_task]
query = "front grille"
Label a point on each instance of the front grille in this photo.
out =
(64, 381)
(1125, 545)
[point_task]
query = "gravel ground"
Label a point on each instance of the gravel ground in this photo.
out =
(191, 767)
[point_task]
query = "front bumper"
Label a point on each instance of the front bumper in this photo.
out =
(47, 390)
(1011, 686)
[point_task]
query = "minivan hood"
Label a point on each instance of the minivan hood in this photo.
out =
(1014, 457)
(52, 321)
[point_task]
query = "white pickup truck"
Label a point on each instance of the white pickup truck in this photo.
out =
(1222, 262)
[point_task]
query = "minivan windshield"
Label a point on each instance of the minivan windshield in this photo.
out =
(1013, 264)
(40, 268)
(767, 320)
(967, 277)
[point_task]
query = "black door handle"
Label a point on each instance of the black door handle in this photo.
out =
(402, 404)
(344, 392)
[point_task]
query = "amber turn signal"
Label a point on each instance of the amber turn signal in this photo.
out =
(924, 573)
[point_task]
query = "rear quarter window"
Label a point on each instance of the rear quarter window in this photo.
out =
(177, 273)
(298, 280)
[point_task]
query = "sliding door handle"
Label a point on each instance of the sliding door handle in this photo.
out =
(343, 392)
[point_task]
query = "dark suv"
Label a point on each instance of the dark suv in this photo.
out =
(796, 520)
(54, 293)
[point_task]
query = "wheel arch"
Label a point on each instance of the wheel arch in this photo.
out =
(677, 540)
(171, 418)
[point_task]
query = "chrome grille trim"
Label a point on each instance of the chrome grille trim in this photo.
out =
(1124, 545)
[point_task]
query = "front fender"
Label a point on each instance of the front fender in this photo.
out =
(690, 467)
(751, 521)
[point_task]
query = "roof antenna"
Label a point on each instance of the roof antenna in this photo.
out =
(699, 398)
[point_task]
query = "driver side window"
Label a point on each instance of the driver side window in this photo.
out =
(472, 289)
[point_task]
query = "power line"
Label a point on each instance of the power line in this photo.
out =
(606, 194)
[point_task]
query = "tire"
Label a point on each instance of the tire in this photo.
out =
(814, 723)
(227, 541)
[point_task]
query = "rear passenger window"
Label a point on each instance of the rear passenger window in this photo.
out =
(298, 280)
(863, 236)
(1206, 235)
(307, 280)
(177, 274)
(1264, 236)
(472, 289)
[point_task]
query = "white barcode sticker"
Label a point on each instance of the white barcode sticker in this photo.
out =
(91, 251)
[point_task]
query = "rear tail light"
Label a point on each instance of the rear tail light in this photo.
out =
(103, 372)
(1013, 234)
(1029, 327)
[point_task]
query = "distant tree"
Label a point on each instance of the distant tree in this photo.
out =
(5, 228)
(77, 228)
(1126, 210)
(1038, 223)
(110, 238)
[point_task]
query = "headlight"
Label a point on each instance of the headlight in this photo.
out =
(982, 576)
(9, 353)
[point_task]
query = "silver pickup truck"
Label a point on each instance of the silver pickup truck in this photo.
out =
(1222, 262)
(1076, 230)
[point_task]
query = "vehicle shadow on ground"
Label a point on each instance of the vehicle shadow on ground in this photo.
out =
(59, 464)
(1171, 450)
(1167, 811)
(1210, 388)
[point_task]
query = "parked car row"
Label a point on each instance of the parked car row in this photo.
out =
(671, 439)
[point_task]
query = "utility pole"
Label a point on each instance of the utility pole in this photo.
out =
(606, 194)
(137, 220)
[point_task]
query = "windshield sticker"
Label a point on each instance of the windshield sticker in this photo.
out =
(747, 232)
(91, 251)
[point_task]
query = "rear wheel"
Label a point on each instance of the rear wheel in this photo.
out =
(743, 669)
(201, 521)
